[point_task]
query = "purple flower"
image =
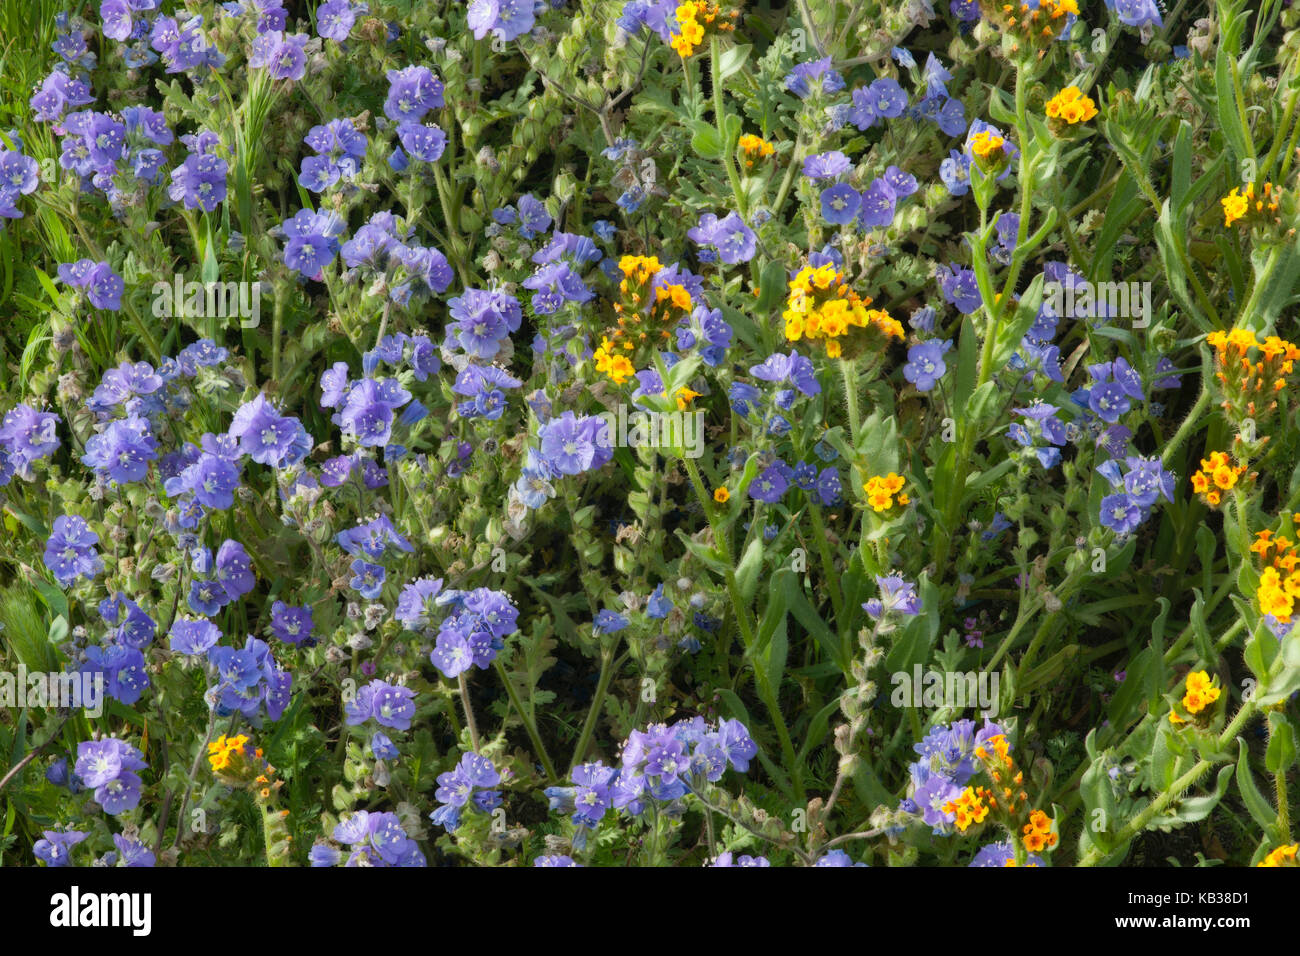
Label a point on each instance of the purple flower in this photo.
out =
(452, 653)
(421, 141)
(19, 176)
(792, 369)
(123, 451)
(283, 55)
(27, 436)
(505, 19)
(367, 579)
(199, 182)
(412, 92)
(54, 848)
(313, 241)
(770, 484)
(104, 288)
(1109, 401)
(268, 437)
(734, 241)
(335, 19)
(1000, 854)
(896, 594)
(482, 320)
(826, 165)
(925, 365)
(372, 538)
(389, 705)
(813, 76)
(878, 204)
(107, 767)
(1164, 366)
(133, 852)
(567, 445)
(293, 625)
(593, 795)
(555, 284)
(959, 287)
(533, 217)
(193, 635)
(234, 570)
(1121, 513)
(1136, 13)
(212, 481)
(608, 622)
(367, 415)
(840, 204)
(70, 552)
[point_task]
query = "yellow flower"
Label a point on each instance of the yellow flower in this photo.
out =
(1284, 855)
(1071, 106)
(721, 495)
(755, 148)
(1200, 692)
(969, 808)
(1235, 206)
(984, 144)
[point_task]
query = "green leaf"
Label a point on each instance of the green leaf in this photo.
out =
(751, 563)
(1281, 743)
(1194, 809)
(804, 612)
(1227, 81)
(706, 141)
(1098, 794)
(967, 357)
(732, 60)
(1260, 810)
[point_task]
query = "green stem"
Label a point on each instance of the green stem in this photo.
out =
(469, 711)
(762, 682)
(1179, 786)
(1186, 428)
(720, 119)
(277, 326)
(593, 713)
(530, 724)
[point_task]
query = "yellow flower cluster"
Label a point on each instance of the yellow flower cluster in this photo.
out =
(236, 763)
(1216, 476)
(1283, 550)
(821, 306)
(223, 751)
(1238, 205)
(881, 491)
(969, 807)
(1277, 595)
(1284, 855)
(721, 494)
(996, 756)
(692, 19)
(1279, 581)
(643, 303)
(755, 148)
(1200, 692)
(1042, 24)
(984, 144)
(684, 397)
(1001, 752)
(1071, 106)
(638, 270)
(1251, 387)
(1038, 832)
(616, 366)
